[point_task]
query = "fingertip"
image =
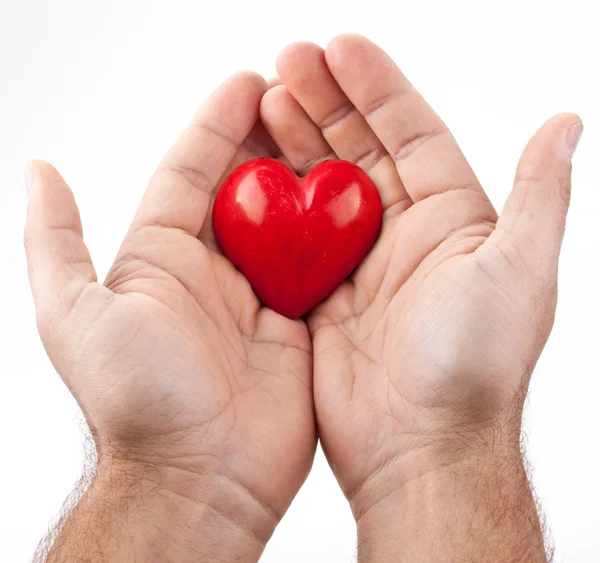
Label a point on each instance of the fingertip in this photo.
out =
(38, 173)
(274, 100)
(573, 137)
(233, 107)
(560, 135)
(44, 171)
(298, 53)
(346, 39)
(248, 80)
(281, 114)
(33, 169)
(342, 45)
(571, 126)
(36, 163)
(564, 119)
(561, 124)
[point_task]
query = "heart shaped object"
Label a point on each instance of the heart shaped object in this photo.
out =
(296, 239)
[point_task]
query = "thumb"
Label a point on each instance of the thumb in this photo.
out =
(535, 213)
(59, 264)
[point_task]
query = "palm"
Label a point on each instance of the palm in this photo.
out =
(173, 359)
(428, 332)
(185, 326)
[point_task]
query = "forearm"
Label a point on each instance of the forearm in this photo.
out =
(163, 515)
(480, 508)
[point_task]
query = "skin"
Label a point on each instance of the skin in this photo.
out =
(199, 400)
(423, 358)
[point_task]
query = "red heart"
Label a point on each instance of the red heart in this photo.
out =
(296, 239)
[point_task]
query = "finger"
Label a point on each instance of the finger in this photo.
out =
(303, 69)
(534, 216)
(179, 193)
(59, 264)
(427, 157)
(274, 81)
(299, 139)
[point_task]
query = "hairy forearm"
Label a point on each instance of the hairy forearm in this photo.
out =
(132, 513)
(478, 509)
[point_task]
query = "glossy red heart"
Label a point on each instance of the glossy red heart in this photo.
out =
(296, 239)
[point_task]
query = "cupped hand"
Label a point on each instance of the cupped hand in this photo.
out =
(427, 350)
(175, 364)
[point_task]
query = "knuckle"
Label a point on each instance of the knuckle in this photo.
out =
(527, 177)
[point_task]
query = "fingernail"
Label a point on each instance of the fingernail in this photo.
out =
(29, 180)
(573, 137)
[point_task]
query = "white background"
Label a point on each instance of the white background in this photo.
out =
(102, 88)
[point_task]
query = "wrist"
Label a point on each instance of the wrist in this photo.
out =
(452, 503)
(417, 459)
(137, 511)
